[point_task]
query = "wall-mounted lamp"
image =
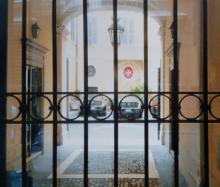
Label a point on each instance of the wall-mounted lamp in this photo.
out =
(35, 30)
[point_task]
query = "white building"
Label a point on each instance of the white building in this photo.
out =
(100, 53)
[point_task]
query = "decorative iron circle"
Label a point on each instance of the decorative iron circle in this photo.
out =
(152, 108)
(40, 118)
(99, 111)
(201, 104)
(19, 107)
(211, 109)
(126, 110)
(72, 107)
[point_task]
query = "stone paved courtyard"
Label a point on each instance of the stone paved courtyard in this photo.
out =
(101, 163)
(131, 164)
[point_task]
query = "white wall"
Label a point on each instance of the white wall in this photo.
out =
(101, 54)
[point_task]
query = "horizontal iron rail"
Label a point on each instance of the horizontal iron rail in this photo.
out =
(112, 121)
(152, 92)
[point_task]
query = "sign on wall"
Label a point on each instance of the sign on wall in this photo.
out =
(91, 71)
(128, 72)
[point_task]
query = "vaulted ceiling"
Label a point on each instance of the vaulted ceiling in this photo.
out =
(70, 8)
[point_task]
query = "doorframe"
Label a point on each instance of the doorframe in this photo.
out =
(29, 78)
(205, 92)
(3, 87)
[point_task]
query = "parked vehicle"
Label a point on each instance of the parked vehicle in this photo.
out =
(155, 109)
(130, 110)
(98, 108)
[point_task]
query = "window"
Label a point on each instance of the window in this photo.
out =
(74, 30)
(95, 4)
(92, 31)
(128, 36)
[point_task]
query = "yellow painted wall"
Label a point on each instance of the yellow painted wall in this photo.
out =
(39, 11)
(214, 85)
(190, 78)
(13, 84)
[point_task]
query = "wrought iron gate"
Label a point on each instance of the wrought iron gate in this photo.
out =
(55, 98)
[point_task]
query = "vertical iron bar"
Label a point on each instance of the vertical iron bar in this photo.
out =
(3, 87)
(24, 108)
(176, 94)
(86, 109)
(205, 92)
(54, 50)
(115, 50)
(146, 142)
(159, 104)
(67, 89)
(28, 89)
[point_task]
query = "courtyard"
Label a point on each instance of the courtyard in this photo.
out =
(101, 158)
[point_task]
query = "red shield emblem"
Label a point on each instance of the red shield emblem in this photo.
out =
(128, 72)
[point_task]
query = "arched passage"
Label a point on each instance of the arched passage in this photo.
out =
(66, 107)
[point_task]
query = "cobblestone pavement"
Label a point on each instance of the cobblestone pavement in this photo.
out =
(94, 183)
(102, 163)
(101, 159)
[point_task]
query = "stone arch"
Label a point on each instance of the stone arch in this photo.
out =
(74, 9)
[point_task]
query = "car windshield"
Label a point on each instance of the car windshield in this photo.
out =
(129, 104)
(97, 102)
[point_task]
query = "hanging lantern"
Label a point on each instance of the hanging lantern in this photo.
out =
(120, 31)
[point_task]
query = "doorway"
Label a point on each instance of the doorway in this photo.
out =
(35, 131)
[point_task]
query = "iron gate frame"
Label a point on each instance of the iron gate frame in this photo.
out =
(3, 88)
(206, 105)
